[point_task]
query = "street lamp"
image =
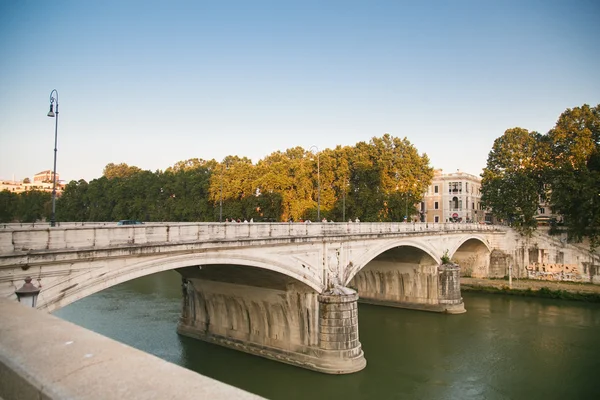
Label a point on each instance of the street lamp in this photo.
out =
(224, 166)
(54, 114)
(318, 182)
(28, 293)
(221, 198)
(344, 203)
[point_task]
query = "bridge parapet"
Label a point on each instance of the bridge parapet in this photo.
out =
(70, 362)
(20, 239)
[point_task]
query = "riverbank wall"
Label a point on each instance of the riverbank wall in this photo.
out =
(540, 257)
(534, 288)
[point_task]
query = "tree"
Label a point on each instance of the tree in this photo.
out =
(513, 180)
(73, 204)
(119, 170)
(388, 176)
(34, 206)
(8, 206)
(574, 172)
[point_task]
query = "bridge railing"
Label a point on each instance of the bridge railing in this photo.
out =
(71, 236)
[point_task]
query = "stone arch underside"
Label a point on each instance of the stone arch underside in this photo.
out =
(86, 278)
(273, 315)
(473, 257)
(248, 305)
(402, 276)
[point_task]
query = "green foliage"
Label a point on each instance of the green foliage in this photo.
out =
(30, 206)
(9, 203)
(574, 172)
(376, 181)
(446, 258)
(561, 168)
(119, 170)
(513, 182)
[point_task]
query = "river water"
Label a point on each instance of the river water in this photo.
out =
(504, 347)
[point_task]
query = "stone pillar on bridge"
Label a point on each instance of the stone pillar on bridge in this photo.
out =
(450, 298)
(339, 346)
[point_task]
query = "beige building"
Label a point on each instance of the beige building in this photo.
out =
(42, 181)
(45, 176)
(453, 197)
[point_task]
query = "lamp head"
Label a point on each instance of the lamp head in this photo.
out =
(28, 293)
(51, 112)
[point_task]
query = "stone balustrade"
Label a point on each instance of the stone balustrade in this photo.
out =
(15, 238)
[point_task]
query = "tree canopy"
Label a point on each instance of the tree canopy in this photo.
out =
(512, 183)
(561, 168)
(375, 181)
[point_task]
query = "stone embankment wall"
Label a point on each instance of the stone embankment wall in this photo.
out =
(544, 257)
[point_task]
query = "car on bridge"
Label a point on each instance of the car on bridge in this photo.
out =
(129, 222)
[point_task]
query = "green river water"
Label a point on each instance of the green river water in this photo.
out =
(504, 347)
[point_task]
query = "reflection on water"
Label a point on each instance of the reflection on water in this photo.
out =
(503, 348)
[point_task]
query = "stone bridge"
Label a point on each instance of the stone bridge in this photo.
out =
(285, 291)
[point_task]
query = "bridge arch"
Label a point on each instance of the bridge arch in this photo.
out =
(361, 261)
(472, 254)
(402, 273)
(62, 290)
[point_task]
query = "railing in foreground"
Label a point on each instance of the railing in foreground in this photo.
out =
(44, 357)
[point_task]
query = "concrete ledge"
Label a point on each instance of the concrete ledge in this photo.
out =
(44, 357)
(320, 360)
(439, 308)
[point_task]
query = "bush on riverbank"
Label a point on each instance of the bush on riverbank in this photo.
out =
(543, 292)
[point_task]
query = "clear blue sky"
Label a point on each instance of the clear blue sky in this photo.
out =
(151, 83)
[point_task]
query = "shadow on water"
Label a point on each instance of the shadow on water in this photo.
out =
(503, 348)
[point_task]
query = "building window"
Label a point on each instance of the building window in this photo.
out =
(456, 204)
(473, 206)
(455, 187)
(436, 206)
(436, 189)
(542, 210)
(437, 219)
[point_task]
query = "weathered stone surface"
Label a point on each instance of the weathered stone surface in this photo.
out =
(450, 297)
(280, 322)
(268, 288)
(44, 357)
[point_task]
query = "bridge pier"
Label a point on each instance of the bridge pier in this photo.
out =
(281, 320)
(419, 287)
(450, 298)
(339, 347)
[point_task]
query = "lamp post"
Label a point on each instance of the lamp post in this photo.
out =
(224, 166)
(344, 203)
(318, 182)
(28, 293)
(221, 198)
(54, 114)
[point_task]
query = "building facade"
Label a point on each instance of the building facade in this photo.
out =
(454, 197)
(42, 181)
(45, 176)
